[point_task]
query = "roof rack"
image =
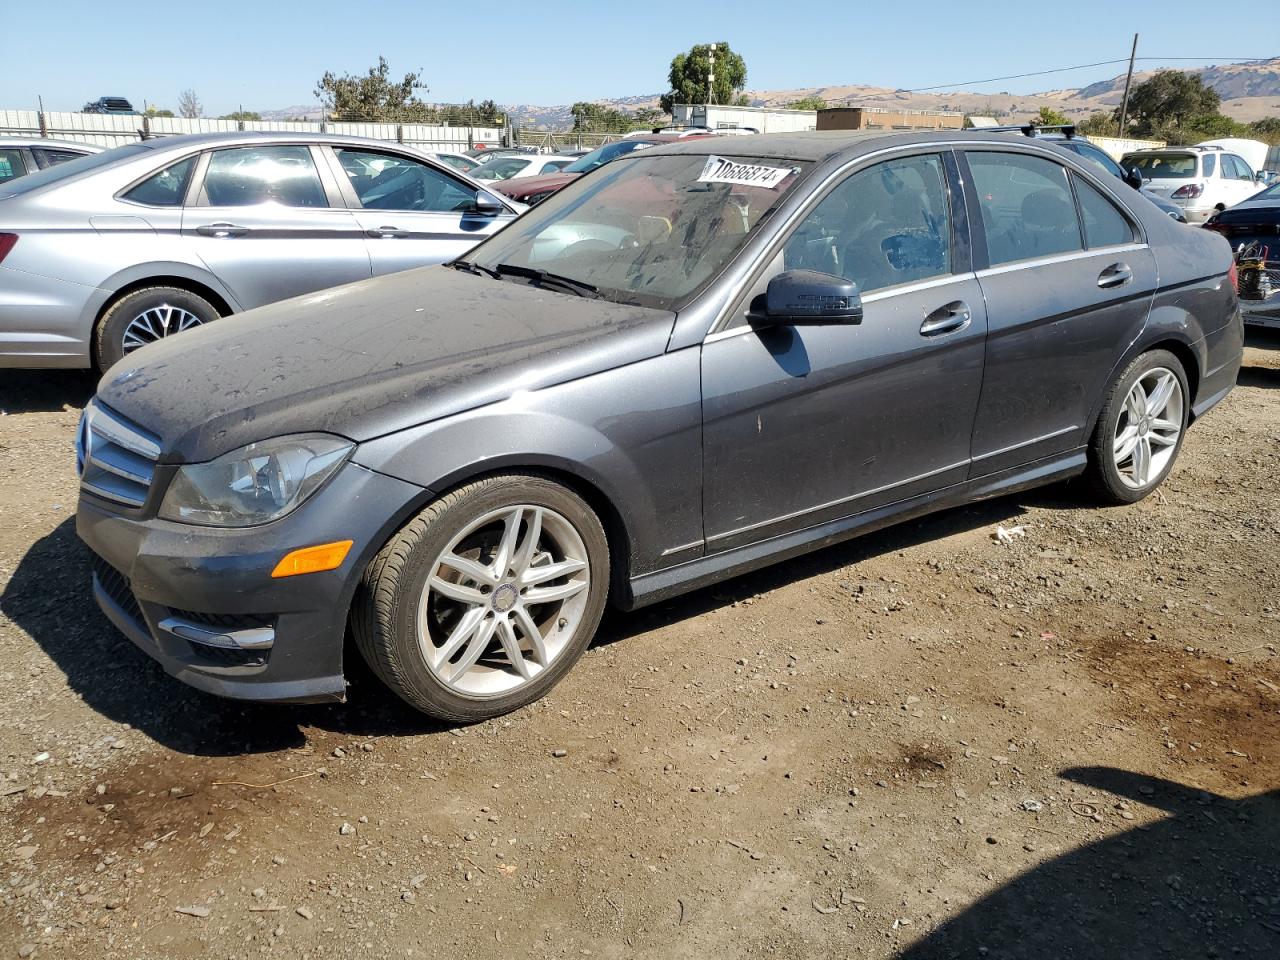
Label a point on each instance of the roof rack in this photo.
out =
(1068, 130)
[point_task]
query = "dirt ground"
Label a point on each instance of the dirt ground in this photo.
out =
(924, 743)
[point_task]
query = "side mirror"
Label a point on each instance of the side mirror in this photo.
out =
(487, 205)
(807, 297)
(1260, 177)
(1133, 177)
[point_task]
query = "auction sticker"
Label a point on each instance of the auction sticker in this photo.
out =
(721, 170)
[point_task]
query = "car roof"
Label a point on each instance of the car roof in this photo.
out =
(248, 138)
(819, 145)
(52, 144)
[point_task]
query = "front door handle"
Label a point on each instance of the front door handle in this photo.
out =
(947, 319)
(221, 230)
(387, 232)
(1116, 275)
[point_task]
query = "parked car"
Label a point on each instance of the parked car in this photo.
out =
(118, 105)
(459, 161)
(1067, 138)
(103, 254)
(682, 367)
(22, 155)
(533, 190)
(1201, 180)
(519, 166)
(1255, 224)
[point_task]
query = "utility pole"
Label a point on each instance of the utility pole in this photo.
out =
(1128, 81)
(711, 75)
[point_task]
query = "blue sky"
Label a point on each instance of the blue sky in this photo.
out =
(267, 55)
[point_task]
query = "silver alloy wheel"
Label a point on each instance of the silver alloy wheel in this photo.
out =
(1148, 428)
(503, 600)
(157, 322)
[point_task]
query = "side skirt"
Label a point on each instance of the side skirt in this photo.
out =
(682, 578)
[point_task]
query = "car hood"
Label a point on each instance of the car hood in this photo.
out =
(520, 188)
(370, 358)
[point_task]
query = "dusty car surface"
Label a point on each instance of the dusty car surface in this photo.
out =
(105, 253)
(692, 362)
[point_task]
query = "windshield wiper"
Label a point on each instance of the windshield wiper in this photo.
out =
(470, 267)
(545, 279)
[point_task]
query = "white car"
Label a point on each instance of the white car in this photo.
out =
(459, 161)
(1201, 180)
(520, 165)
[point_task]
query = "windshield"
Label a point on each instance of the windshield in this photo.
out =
(650, 231)
(602, 155)
(1162, 166)
(1271, 193)
(72, 168)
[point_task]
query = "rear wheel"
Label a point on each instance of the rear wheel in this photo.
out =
(485, 599)
(147, 315)
(1140, 429)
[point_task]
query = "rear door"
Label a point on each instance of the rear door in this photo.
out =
(412, 213)
(269, 225)
(1068, 282)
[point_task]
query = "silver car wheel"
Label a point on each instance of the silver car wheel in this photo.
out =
(503, 600)
(1148, 428)
(157, 322)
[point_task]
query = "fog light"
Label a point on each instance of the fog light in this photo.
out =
(317, 559)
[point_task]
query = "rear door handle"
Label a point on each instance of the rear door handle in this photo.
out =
(947, 319)
(1116, 275)
(221, 230)
(387, 232)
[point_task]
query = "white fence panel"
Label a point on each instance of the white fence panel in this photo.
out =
(104, 129)
(169, 126)
(283, 126)
(374, 131)
(433, 137)
(22, 123)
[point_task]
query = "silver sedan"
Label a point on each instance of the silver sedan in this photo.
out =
(107, 253)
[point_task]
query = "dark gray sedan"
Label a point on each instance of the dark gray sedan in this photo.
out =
(692, 362)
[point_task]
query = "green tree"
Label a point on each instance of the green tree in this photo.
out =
(1170, 98)
(646, 118)
(373, 96)
(597, 118)
(241, 115)
(1098, 125)
(1267, 129)
(1049, 117)
(688, 77)
(153, 112)
(808, 103)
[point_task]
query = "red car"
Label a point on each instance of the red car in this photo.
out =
(533, 190)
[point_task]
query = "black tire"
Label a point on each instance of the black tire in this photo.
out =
(385, 610)
(1103, 473)
(109, 334)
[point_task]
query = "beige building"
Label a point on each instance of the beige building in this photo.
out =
(884, 118)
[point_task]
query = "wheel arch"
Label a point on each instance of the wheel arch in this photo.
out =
(120, 287)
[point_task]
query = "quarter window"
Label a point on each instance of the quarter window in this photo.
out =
(1027, 207)
(166, 188)
(1209, 163)
(249, 176)
(885, 225)
(11, 165)
(1104, 225)
(385, 181)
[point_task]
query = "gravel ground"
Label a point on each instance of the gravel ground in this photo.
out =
(924, 743)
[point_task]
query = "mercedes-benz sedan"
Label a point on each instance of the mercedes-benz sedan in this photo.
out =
(694, 361)
(101, 255)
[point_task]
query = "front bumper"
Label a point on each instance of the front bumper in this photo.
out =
(201, 600)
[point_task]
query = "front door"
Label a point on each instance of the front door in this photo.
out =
(412, 213)
(264, 226)
(1067, 287)
(804, 424)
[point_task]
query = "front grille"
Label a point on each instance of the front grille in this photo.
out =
(225, 656)
(225, 621)
(116, 585)
(115, 459)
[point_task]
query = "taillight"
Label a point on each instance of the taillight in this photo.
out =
(1189, 192)
(7, 240)
(1234, 277)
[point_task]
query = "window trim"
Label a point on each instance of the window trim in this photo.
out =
(200, 197)
(959, 254)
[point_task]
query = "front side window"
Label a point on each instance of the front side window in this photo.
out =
(651, 230)
(166, 188)
(385, 181)
(1240, 168)
(46, 158)
(1027, 207)
(885, 225)
(11, 165)
(250, 176)
(1104, 225)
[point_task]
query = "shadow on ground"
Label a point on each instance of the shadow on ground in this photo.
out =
(1203, 882)
(45, 391)
(49, 598)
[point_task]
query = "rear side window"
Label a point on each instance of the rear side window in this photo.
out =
(46, 158)
(1027, 207)
(11, 165)
(167, 188)
(1104, 225)
(1210, 161)
(250, 176)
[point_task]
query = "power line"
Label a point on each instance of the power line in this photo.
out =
(1082, 66)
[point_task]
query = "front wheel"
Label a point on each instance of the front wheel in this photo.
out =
(482, 602)
(1140, 429)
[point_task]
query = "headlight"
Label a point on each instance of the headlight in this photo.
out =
(255, 484)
